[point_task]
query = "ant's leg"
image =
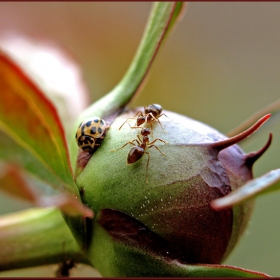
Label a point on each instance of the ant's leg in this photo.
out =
(151, 124)
(158, 139)
(147, 166)
(163, 115)
(134, 126)
(151, 116)
(139, 141)
(161, 125)
(157, 149)
(153, 119)
(125, 122)
(130, 142)
(136, 115)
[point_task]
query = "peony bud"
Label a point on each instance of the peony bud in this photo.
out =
(199, 165)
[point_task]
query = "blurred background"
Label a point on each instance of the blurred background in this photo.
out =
(220, 65)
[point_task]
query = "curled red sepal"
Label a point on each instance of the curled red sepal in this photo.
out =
(220, 145)
(251, 158)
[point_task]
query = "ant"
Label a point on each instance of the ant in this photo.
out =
(140, 147)
(151, 114)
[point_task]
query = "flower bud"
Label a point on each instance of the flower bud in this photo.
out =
(191, 165)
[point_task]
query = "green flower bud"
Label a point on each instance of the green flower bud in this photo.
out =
(190, 166)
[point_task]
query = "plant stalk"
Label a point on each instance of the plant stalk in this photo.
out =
(36, 237)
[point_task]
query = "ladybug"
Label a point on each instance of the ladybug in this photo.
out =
(151, 114)
(88, 131)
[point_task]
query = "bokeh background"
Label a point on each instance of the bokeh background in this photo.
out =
(220, 65)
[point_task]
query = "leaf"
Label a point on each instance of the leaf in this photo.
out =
(124, 247)
(16, 183)
(269, 182)
(55, 72)
(208, 270)
(14, 154)
(12, 182)
(31, 120)
(162, 17)
(36, 237)
(68, 204)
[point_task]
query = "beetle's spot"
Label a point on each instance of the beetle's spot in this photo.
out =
(93, 130)
(88, 123)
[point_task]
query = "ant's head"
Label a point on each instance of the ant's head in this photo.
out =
(145, 131)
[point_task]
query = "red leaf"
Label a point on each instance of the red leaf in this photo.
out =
(16, 183)
(54, 70)
(28, 117)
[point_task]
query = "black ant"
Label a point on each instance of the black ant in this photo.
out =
(140, 147)
(151, 114)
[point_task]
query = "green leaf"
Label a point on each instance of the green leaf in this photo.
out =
(16, 183)
(267, 183)
(124, 247)
(162, 18)
(31, 120)
(36, 237)
(208, 270)
(14, 154)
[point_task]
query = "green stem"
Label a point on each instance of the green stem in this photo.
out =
(158, 23)
(36, 237)
(162, 17)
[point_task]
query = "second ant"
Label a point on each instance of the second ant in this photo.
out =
(151, 114)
